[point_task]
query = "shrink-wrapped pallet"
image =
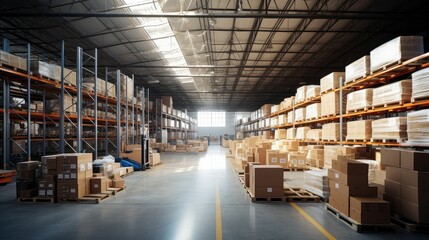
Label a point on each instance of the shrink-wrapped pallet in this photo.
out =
(290, 133)
(331, 81)
(266, 110)
(314, 134)
(359, 130)
(331, 132)
(287, 103)
(420, 84)
(280, 134)
(300, 94)
(330, 105)
(275, 108)
(290, 117)
(418, 126)
(89, 83)
(398, 92)
(317, 182)
(313, 111)
(299, 114)
(315, 157)
(359, 100)
(13, 60)
(296, 160)
(312, 92)
(332, 152)
(127, 87)
(45, 69)
(358, 69)
(301, 133)
(282, 119)
(397, 50)
(373, 166)
(274, 121)
(69, 105)
(389, 128)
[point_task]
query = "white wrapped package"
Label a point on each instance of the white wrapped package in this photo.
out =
(358, 69)
(317, 182)
(274, 121)
(389, 128)
(398, 92)
(358, 100)
(330, 104)
(45, 69)
(359, 130)
(313, 111)
(301, 133)
(331, 81)
(290, 117)
(280, 134)
(290, 133)
(299, 114)
(331, 132)
(13, 60)
(399, 49)
(312, 92)
(287, 103)
(282, 119)
(314, 134)
(275, 108)
(373, 166)
(300, 94)
(420, 84)
(418, 126)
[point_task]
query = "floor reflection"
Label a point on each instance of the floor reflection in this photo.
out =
(212, 161)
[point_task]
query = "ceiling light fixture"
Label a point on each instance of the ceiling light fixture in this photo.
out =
(212, 22)
(153, 81)
(240, 4)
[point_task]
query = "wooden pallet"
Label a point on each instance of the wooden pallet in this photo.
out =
(407, 225)
(413, 100)
(355, 225)
(36, 200)
(114, 191)
(328, 115)
(393, 140)
(300, 195)
(359, 140)
(357, 110)
(90, 198)
(397, 103)
(265, 199)
(14, 68)
(355, 79)
(297, 169)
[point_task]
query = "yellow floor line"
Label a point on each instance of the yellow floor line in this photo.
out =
(312, 221)
(218, 215)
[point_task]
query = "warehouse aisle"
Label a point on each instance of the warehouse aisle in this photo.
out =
(175, 200)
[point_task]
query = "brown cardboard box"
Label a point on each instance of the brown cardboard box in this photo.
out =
(26, 174)
(272, 157)
(369, 210)
(51, 161)
(393, 174)
(348, 179)
(98, 184)
(413, 160)
(415, 179)
(119, 183)
(390, 157)
(380, 189)
(267, 192)
(414, 212)
(418, 196)
(134, 154)
(28, 193)
(283, 160)
(350, 166)
(247, 180)
(266, 180)
(395, 203)
(76, 190)
(260, 155)
(393, 188)
(28, 165)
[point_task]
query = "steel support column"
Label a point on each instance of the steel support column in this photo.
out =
(79, 98)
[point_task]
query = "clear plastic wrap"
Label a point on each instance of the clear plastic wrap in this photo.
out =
(301, 133)
(290, 116)
(373, 166)
(330, 104)
(45, 69)
(331, 81)
(420, 84)
(13, 60)
(332, 153)
(315, 157)
(312, 91)
(398, 49)
(282, 119)
(331, 132)
(398, 92)
(359, 130)
(317, 182)
(358, 100)
(418, 126)
(313, 111)
(299, 114)
(314, 134)
(290, 133)
(358, 69)
(300, 94)
(389, 128)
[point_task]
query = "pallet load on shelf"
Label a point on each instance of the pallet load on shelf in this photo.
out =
(331, 132)
(330, 104)
(287, 103)
(266, 110)
(299, 114)
(301, 133)
(53, 105)
(167, 101)
(331, 153)
(359, 130)
(331, 81)
(285, 145)
(88, 84)
(407, 175)
(290, 117)
(290, 133)
(312, 92)
(21, 128)
(394, 128)
(282, 119)
(297, 160)
(359, 100)
(266, 181)
(280, 134)
(357, 69)
(396, 51)
(315, 156)
(417, 127)
(317, 182)
(45, 69)
(27, 174)
(274, 121)
(275, 157)
(420, 86)
(313, 111)
(13, 60)
(394, 93)
(275, 108)
(300, 94)
(314, 134)
(127, 88)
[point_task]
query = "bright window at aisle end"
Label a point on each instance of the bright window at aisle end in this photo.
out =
(211, 119)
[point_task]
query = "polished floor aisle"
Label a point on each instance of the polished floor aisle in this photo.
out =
(188, 196)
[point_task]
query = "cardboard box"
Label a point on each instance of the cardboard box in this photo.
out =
(414, 212)
(267, 192)
(272, 157)
(118, 183)
(350, 166)
(76, 191)
(27, 193)
(28, 165)
(247, 180)
(98, 184)
(393, 174)
(348, 179)
(413, 160)
(392, 188)
(283, 160)
(415, 179)
(369, 210)
(418, 196)
(395, 203)
(266, 180)
(390, 157)
(260, 155)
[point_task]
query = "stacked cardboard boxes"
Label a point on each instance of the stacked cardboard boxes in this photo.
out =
(74, 174)
(359, 130)
(331, 81)
(330, 104)
(27, 174)
(301, 133)
(358, 69)
(315, 156)
(266, 181)
(275, 157)
(358, 100)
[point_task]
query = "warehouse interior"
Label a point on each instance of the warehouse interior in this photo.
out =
(191, 119)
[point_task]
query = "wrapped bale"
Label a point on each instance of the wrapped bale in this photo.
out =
(282, 119)
(358, 100)
(280, 134)
(358, 69)
(389, 128)
(13, 60)
(297, 160)
(359, 130)
(290, 133)
(300, 94)
(274, 121)
(330, 104)
(287, 103)
(314, 134)
(275, 108)
(315, 157)
(418, 126)
(312, 92)
(397, 50)
(317, 182)
(301, 133)
(313, 111)
(290, 117)
(331, 132)
(331, 81)
(54, 105)
(299, 114)
(420, 84)
(45, 69)
(398, 92)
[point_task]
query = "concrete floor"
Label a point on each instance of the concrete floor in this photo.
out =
(175, 200)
